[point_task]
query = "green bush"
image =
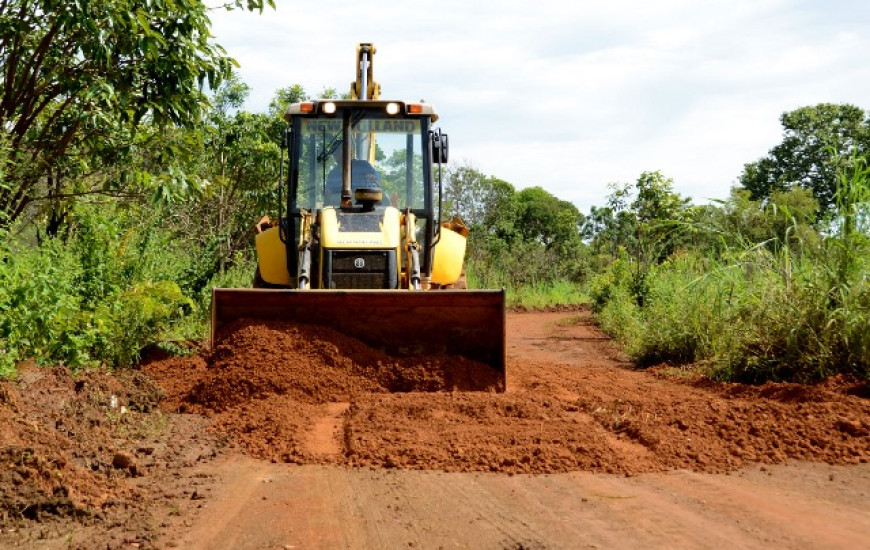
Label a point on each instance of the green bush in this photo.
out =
(197, 325)
(39, 302)
(751, 311)
(136, 317)
(111, 285)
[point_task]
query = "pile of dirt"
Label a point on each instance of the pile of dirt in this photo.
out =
(57, 446)
(268, 384)
(315, 364)
(265, 381)
(82, 452)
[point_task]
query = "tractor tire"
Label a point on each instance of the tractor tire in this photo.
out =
(258, 279)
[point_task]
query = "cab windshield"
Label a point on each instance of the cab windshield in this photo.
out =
(386, 153)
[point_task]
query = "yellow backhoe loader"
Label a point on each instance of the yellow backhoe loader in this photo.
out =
(360, 244)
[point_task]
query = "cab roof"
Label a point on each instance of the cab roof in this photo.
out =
(326, 107)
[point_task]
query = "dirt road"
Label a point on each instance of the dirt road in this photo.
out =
(268, 506)
(798, 505)
(580, 452)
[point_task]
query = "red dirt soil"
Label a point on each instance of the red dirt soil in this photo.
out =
(93, 454)
(96, 451)
(265, 384)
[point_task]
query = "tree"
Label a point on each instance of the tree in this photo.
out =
(82, 76)
(645, 219)
(608, 229)
(815, 140)
(284, 97)
(500, 209)
(231, 165)
(485, 203)
(516, 238)
(656, 200)
(295, 93)
(464, 192)
(543, 218)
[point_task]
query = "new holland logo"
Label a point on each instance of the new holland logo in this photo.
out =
(359, 263)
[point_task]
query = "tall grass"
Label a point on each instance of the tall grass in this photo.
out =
(541, 294)
(756, 317)
(533, 276)
(799, 312)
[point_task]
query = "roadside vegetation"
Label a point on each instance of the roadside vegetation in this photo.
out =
(757, 291)
(122, 204)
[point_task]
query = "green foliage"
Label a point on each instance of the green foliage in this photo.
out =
(656, 200)
(853, 211)
(102, 279)
(80, 77)
(547, 295)
(750, 311)
(284, 97)
(787, 219)
(816, 141)
(647, 220)
(136, 317)
(542, 218)
(747, 320)
(97, 296)
(604, 286)
(221, 181)
(642, 225)
(524, 241)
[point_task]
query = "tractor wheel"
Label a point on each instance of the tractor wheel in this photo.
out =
(258, 279)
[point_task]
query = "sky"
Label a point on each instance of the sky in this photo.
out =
(574, 95)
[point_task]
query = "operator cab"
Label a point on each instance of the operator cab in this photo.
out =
(353, 157)
(343, 146)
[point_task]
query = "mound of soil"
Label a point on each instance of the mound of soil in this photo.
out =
(307, 364)
(267, 385)
(265, 381)
(89, 451)
(57, 447)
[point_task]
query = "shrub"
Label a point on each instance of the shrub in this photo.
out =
(136, 317)
(751, 315)
(96, 295)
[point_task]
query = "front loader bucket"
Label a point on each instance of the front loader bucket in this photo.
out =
(401, 323)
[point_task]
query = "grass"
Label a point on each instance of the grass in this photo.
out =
(547, 295)
(752, 318)
(799, 312)
(573, 321)
(540, 295)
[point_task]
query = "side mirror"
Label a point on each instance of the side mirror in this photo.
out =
(439, 146)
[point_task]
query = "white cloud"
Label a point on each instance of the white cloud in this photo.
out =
(573, 95)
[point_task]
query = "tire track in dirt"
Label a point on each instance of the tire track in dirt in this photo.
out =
(226, 522)
(325, 439)
(313, 506)
(736, 497)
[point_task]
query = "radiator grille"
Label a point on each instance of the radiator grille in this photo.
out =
(361, 269)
